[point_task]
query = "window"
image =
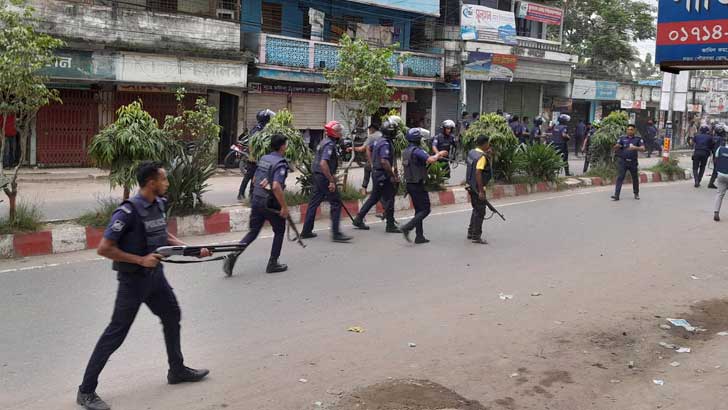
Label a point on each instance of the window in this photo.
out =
(306, 25)
(162, 5)
(272, 18)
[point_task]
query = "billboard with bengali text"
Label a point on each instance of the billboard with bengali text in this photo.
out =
(430, 7)
(479, 23)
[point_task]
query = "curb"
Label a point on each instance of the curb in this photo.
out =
(71, 238)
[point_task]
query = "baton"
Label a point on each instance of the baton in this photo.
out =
(185, 250)
(291, 225)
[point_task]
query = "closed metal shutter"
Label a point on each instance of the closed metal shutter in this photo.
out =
(493, 99)
(65, 130)
(447, 107)
(260, 102)
(309, 111)
(531, 100)
(514, 99)
(473, 96)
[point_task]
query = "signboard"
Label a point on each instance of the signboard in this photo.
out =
(562, 104)
(145, 68)
(716, 103)
(540, 13)
(680, 96)
(695, 108)
(258, 88)
(431, 7)
(633, 105)
(692, 33)
(79, 65)
(489, 66)
(594, 90)
(486, 24)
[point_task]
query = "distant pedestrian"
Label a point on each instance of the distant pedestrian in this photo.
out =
(651, 139)
(579, 137)
(586, 146)
(721, 165)
(627, 151)
(526, 131)
(703, 148)
(263, 118)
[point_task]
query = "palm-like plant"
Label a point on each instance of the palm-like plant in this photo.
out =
(539, 161)
(504, 143)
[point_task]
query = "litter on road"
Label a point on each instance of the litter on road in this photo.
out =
(536, 294)
(356, 329)
(668, 345)
(693, 277)
(722, 333)
(503, 296)
(682, 323)
(659, 382)
(684, 350)
(303, 380)
(412, 344)
(675, 364)
(665, 327)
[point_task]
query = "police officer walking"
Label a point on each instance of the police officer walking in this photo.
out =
(718, 140)
(560, 140)
(137, 228)
(627, 150)
(415, 161)
(263, 118)
(267, 204)
(704, 148)
(324, 184)
(384, 178)
(443, 143)
(721, 168)
(476, 178)
(372, 137)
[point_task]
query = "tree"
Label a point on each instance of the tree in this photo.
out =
(134, 137)
(23, 52)
(647, 69)
(601, 33)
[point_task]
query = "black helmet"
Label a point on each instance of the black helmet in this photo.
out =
(414, 135)
(263, 117)
(388, 129)
(538, 121)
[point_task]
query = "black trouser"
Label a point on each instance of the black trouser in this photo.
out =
(700, 161)
(134, 289)
(258, 215)
(367, 175)
(577, 145)
(250, 169)
(623, 166)
(714, 175)
(421, 201)
(320, 193)
(650, 146)
(475, 229)
(563, 150)
(384, 191)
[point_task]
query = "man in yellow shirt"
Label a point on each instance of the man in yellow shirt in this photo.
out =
(476, 180)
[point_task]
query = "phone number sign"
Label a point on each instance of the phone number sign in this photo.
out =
(692, 31)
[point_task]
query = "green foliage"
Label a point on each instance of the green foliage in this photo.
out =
(28, 218)
(359, 81)
(602, 143)
(539, 161)
(607, 172)
(191, 167)
(504, 143)
(436, 177)
(298, 153)
(399, 143)
(134, 137)
(349, 193)
(101, 215)
(295, 198)
(672, 168)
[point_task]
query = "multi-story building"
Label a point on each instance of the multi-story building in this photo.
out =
(120, 51)
(294, 41)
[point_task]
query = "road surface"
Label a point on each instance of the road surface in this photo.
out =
(607, 275)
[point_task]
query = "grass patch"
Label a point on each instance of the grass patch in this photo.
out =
(28, 218)
(671, 168)
(101, 215)
(605, 172)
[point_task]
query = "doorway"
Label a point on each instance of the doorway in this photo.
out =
(228, 123)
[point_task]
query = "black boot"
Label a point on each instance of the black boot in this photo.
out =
(229, 264)
(406, 234)
(712, 186)
(91, 401)
(308, 235)
(186, 375)
(340, 237)
(392, 228)
(716, 217)
(615, 198)
(480, 241)
(275, 267)
(421, 239)
(359, 224)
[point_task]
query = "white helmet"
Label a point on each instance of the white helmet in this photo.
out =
(393, 119)
(448, 124)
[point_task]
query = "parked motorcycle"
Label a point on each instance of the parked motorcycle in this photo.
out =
(239, 154)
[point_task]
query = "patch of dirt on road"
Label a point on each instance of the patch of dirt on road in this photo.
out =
(406, 395)
(711, 315)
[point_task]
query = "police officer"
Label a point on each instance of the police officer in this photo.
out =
(443, 143)
(704, 148)
(267, 204)
(627, 151)
(372, 136)
(415, 161)
(721, 167)
(515, 124)
(537, 133)
(263, 118)
(560, 140)
(476, 178)
(718, 140)
(324, 184)
(651, 139)
(137, 228)
(384, 178)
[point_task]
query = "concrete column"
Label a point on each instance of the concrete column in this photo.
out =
(433, 122)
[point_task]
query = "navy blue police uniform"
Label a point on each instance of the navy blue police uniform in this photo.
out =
(326, 152)
(138, 227)
(718, 141)
(383, 187)
(627, 160)
(651, 142)
(414, 161)
(704, 148)
(445, 143)
(560, 139)
(250, 166)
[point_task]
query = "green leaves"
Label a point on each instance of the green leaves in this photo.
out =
(502, 140)
(539, 161)
(610, 129)
(297, 153)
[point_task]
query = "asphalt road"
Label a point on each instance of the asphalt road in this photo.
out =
(607, 274)
(69, 200)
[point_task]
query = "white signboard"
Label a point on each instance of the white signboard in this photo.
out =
(716, 103)
(179, 70)
(486, 24)
(633, 105)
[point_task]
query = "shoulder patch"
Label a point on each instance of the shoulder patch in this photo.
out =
(118, 225)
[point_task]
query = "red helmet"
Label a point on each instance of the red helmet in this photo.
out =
(334, 129)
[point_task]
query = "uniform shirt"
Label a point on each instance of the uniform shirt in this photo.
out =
(721, 161)
(123, 223)
(280, 173)
(581, 130)
(327, 152)
(382, 150)
(516, 128)
(443, 142)
(420, 157)
(704, 142)
(625, 141)
(652, 131)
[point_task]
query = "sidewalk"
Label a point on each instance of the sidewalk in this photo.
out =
(62, 199)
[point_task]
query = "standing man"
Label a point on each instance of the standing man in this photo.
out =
(324, 184)
(263, 118)
(515, 125)
(704, 147)
(476, 179)
(526, 132)
(415, 161)
(586, 147)
(627, 150)
(267, 204)
(718, 140)
(384, 178)
(444, 143)
(721, 167)
(580, 135)
(560, 140)
(372, 137)
(137, 228)
(651, 139)
(536, 133)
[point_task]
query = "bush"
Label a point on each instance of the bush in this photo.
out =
(28, 218)
(436, 177)
(297, 153)
(671, 168)
(202, 208)
(538, 161)
(101, 215)
(504, 143)
(603, 171)
(349, 193)
(602, 143)
(295, 198)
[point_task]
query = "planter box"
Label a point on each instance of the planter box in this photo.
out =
(31, 244)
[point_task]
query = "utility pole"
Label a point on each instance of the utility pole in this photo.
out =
(461, 68)
(667, 144)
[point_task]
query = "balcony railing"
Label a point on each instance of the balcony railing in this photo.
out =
(539, 45)
(318, 56)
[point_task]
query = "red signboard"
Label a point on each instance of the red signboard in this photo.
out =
(540, 13)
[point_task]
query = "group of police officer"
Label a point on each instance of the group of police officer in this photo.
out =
(709, 143)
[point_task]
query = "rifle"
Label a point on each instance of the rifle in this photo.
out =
(492, 209)
(169, 251)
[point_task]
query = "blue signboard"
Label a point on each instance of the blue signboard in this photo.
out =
(692, 31)
(431, 7)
